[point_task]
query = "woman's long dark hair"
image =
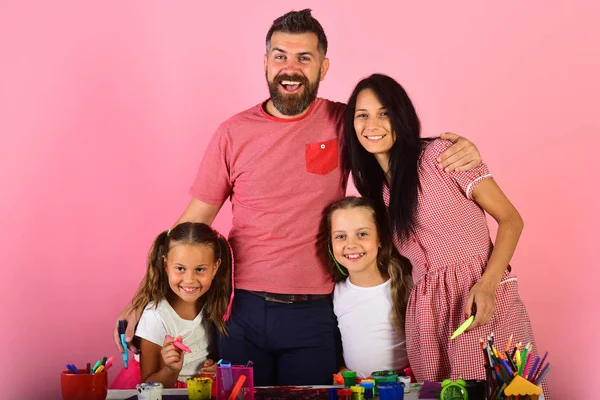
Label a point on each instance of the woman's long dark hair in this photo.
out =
(368, 176)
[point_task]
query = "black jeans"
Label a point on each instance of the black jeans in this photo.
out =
(289, 344)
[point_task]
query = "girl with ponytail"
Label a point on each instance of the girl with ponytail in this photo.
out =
(187, 291)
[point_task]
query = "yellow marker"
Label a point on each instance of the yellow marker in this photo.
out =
(463, 327)
(100, 369)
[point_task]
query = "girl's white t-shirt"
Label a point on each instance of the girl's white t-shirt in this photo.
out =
(370, 341)
(157, 322)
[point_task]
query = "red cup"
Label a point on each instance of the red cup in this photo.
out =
(84, 386)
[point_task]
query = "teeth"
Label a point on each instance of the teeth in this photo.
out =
(190, 290)
(375, 137)
(354, 256)
(289, 83)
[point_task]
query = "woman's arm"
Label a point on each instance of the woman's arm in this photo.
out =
(490, 197)
(160, 364)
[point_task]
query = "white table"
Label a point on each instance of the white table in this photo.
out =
(124, 394)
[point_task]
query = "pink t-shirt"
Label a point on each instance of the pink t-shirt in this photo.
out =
(279, 174)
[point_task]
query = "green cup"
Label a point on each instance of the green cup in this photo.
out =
(349, 378)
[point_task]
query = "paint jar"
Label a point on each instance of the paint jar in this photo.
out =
(369, 388)
(391, 391)
(349, 378)
(83, 386)
(212, 376)
(235, 378)
(344, 394)
(149, 391)
(383, 377)
(199, 388)
(332, 393)
(405, 380)
(358, 392)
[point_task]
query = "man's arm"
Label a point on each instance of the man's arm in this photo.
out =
(199, 211)
(196, 211)
(461, 156)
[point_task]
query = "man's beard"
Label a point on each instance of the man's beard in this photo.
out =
(292, 104)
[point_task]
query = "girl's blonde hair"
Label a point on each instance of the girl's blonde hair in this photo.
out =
(155, 285)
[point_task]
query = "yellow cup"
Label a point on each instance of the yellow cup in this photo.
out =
(199, 388)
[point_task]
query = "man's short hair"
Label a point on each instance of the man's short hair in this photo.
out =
(299, 22)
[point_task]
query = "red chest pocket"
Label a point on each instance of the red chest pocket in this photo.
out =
(322, 157)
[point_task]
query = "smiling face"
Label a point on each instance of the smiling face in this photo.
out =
(373, 126)
(190, 269)
(294, 66)
(354, 240)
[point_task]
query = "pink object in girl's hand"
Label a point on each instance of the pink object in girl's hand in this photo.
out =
(177, 343)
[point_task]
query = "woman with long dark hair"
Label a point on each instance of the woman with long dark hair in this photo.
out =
(439, 223)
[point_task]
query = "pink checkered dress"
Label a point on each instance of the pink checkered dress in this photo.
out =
(449, 252)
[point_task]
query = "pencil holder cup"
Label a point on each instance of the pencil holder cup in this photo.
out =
(199, 388)
(83, 386)
(236, 380)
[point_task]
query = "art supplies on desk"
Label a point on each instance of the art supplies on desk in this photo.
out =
(237, 380)
(390, 391)
(122, 330)
(454, 390)
(405, 380)
(179, 344)
(358, 392)
(203, 387)
(461, 329)
(101, 365)
(149, 391)
(430, 390)
(349, 378)
(383, 377)
(513, 375)
(369, 388)
(86, 384)
(83, 386)
(272, 393)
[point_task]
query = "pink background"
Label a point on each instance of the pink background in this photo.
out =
(106, 108)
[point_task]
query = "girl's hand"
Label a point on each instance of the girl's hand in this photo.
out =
(340, 372)
(483, 295)
(209, 366)
(171, 355)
